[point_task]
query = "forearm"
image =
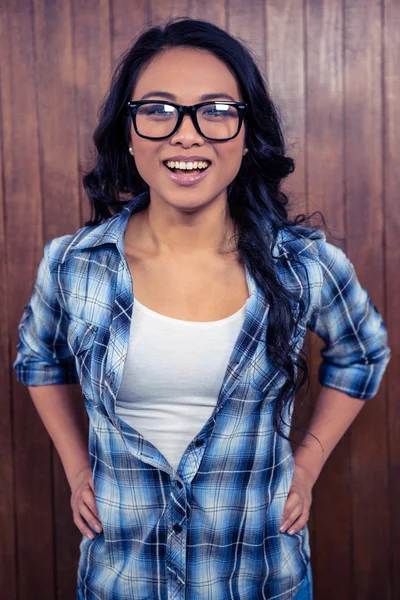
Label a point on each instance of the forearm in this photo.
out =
(60, 408)
(333, 414)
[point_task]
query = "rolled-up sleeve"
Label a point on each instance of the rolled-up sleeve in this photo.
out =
(356, 351)
(44, 357)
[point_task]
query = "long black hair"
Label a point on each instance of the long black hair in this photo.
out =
(254, 194)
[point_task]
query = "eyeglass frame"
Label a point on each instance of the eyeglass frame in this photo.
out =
(132, 106)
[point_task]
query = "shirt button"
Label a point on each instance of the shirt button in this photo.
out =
(177, 528)
(179, 484)
(199, 442)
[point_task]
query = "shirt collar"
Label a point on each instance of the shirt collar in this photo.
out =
(110, 231)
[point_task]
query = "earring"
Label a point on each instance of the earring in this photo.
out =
(131, 149)
(246, 150)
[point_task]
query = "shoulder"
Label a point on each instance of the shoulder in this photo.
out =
(60, 249)
(303, 245)
(310, 266)
(57, 249)
(297, 252)
(296, 240)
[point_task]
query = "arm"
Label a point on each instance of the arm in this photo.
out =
(333, 414)
(44, 357)
(60, 408)
(46, 365)
(355, 356)
(354, 359)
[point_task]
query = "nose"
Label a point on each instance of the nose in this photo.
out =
(187, 131)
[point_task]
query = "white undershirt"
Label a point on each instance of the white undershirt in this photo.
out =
(172, 376)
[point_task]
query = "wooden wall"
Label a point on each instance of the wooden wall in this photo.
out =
(333, 68)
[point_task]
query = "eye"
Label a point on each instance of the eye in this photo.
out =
(214, 111)
(156, 110)
(217, 110)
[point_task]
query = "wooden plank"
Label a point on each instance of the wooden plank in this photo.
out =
(40, 199)
(160, 11)
(286, 75)
(325, 191)
(214, 11)
(58, 151)
(24, 249)
(124, 29)
(392, 258)
(364, 224)
(249, 26)
(92, 52)
(8, 564)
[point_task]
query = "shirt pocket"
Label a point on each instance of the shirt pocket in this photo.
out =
(264, 377)
(267, 378)
(80, 338)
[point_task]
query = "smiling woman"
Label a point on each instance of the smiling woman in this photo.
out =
(181, 309)
(208, 129)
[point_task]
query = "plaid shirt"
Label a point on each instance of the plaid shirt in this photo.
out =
(209, 530)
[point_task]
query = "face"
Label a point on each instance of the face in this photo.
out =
(188, 74)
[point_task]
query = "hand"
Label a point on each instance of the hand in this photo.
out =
(83, 503)
(297, 508)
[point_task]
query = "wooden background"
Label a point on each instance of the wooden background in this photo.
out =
(333, 68)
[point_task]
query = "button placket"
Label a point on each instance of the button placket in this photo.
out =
(176, 545)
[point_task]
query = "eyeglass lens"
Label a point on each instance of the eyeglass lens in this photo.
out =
(217, 121)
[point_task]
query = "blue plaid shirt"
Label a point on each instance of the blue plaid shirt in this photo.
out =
(209, 530)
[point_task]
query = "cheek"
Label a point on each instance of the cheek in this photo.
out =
(147, 167)
(146, 156)
(231, 161)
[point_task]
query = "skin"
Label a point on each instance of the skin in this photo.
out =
(187, 221)
(333, 414)
(192, 223)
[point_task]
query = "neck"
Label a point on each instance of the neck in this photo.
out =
(173, 232)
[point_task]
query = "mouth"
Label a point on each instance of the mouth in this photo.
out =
(186, 176)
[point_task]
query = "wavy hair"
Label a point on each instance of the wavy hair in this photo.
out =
(254, 194)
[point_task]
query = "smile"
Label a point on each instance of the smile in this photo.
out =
(187, 177)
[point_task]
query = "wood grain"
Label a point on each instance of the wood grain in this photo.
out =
(391, 178)
(8, 548)
(58, 162)
(123, 29)
(332, 67)
(24, 248)
(364, 232)
(92, 59)
(286, 74)
(331, 551)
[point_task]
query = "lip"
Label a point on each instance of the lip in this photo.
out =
(187, 179)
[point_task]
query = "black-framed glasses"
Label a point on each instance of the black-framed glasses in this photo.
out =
(219, 120)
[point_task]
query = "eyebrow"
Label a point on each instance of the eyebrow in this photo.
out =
(202, 98)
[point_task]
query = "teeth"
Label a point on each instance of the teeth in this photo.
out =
(187, 165)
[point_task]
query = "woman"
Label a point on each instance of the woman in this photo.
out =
(180, 310)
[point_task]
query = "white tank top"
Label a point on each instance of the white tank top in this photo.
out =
(172, 376)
